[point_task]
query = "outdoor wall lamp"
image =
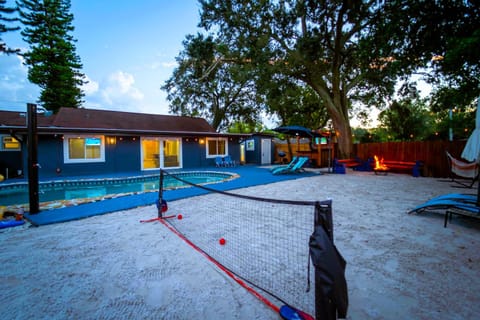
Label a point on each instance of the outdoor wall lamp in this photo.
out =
(202, 141)
(111, 140)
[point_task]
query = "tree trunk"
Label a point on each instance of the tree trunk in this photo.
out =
(343, 132)
(338, 111)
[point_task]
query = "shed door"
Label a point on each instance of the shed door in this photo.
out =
(266, 151)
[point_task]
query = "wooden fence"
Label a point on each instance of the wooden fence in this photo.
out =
(432, 153)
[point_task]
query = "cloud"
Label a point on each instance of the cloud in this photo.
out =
(116, 92)
(163, 65)
(90, 87)
(120, 85)
(15, 89)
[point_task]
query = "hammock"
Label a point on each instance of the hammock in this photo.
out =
(466, 170)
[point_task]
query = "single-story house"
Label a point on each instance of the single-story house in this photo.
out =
(87, 141)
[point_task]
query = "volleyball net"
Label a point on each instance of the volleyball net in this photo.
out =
(263, 241)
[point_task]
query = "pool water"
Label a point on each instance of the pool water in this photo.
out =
(17, 194)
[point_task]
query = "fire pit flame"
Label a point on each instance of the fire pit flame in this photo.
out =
(379, 165)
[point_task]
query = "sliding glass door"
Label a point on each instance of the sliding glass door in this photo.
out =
(161, 153)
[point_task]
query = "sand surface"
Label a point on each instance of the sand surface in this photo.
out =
(400, 266)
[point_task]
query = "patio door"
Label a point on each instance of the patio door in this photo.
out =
(266, 151)
(170, 153)
(161, 153)
(150, 153)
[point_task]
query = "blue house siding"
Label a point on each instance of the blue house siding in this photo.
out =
(234, 149)
(10, 163)
(50, 155)
(255, 155)
(122, 155)
(128, 140)
(193, 153)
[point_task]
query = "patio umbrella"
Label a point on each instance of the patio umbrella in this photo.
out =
(471, 152)
(297, 131)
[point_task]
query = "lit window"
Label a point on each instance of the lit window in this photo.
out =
(84, 149)
(10, 144)
(217, 147)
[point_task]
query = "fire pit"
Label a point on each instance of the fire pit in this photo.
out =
(380, 168)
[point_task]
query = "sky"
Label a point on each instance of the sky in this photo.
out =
(127, 49)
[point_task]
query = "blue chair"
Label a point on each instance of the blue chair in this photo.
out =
(218, 162)
(297, 167)
(228, 161)
(288, 166)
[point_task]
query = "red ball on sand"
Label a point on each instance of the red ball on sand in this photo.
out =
(221, 241)
(180, 217)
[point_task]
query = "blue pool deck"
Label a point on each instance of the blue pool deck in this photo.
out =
(248, 176)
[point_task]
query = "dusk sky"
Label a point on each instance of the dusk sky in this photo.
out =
(127, 49)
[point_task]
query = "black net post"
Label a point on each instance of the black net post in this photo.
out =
(32, 142)
(160, 194)
(323, 217)
(324, 308)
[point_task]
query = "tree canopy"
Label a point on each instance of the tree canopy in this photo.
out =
(51, 58)
(205, 85)
(346, 51)
(6, 21)
(321, 43)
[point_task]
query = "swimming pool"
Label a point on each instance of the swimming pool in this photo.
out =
(55, 193)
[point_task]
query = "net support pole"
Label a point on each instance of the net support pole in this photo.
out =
(32, 142)
(324, 307)
(160, 194)
(323, 217)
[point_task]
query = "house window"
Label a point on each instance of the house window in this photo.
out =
(217, 147)
(10, 144)
(84, 149)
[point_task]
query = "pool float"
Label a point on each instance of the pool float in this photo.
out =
(7, 223)
(10, 223)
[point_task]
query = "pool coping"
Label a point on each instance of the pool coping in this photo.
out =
(248, 176)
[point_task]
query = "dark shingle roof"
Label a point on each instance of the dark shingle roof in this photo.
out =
(90, 119)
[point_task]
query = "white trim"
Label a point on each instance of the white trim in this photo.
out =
(210, 156)
(66, 158)
(180, 156)
(161, 152)
(2, 136)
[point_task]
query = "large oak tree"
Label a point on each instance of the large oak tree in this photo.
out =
(206, 85)
(346, 51)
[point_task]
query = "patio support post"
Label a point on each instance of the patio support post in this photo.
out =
(32, 144)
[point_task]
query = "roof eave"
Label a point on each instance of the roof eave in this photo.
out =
(62, 130)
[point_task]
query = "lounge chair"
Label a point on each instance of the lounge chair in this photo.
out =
(297, 167)
(288, 166)
(453, 203)
(465, 170)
